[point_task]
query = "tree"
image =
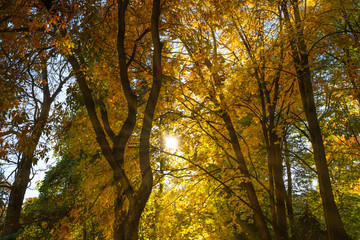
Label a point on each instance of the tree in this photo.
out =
(298, 45)
(250, 89)
(129, 202)
(35, 74)
(30, 126)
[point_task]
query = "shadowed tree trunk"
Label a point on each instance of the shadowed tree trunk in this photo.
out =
(126, 224)
(269, 117)
(334, 224)
(28, 147)
(260, 219)
(248, 186)
(289, 197)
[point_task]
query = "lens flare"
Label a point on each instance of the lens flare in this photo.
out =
(171, 143)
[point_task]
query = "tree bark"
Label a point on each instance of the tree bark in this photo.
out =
(18, 189)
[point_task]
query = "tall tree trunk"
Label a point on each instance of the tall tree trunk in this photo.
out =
(280, 193)
(276, 177)
(22, 177)
(277, 193)
(289, 198)
(16, 198)
(248, 186)
(260, 219)
(275, 159)
(277, 190)
(334, 224)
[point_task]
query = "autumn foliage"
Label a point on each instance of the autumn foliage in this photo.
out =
(261, 99)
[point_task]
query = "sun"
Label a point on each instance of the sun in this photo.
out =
(171, 143)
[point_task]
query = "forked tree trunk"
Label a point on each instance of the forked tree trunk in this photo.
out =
(129, 203)
(126, 225)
